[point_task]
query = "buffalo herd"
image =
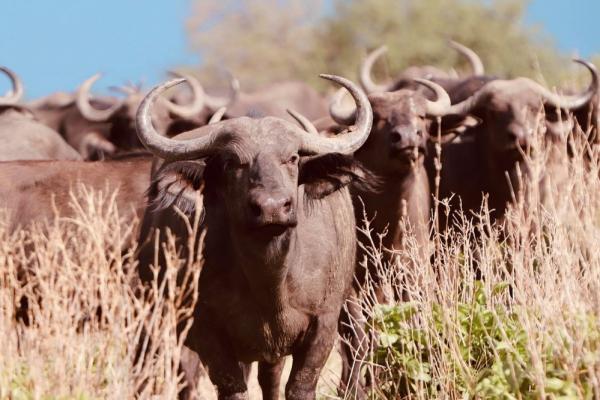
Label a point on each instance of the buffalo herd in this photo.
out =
(286, 177)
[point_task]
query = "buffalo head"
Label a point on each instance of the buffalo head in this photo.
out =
(403, 122)
(512, 110)
(255, 170)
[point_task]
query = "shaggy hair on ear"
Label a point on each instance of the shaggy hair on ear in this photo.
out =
(323, 175)
(171, 184)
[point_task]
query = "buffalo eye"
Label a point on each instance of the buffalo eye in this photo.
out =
(293, 160)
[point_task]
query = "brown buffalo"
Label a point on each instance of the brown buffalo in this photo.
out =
(33, 191)
(487, 160)
(280, 239)
(404, 121)
(22, 136)
(101, 126)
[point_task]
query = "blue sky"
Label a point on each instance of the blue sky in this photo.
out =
(55, 44)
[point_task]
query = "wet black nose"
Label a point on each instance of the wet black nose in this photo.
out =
(519, 137)
(268, 208)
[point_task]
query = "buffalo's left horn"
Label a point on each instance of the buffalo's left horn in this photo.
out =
(16, 93)
(214, 103)
(340, 114)
(572, 101)
(85, 107)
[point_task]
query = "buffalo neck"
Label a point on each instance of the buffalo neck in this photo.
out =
(265, 265)
(404, 195)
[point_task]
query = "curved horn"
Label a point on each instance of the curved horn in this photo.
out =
(440, 107)
(198, 95)
(173, 149)
(16, 93)
(205, 140)
(217, 116)
(344, 143)
(341, 115)
(85, 107)
(303, 122)
(365, 76)
(476, 64)
(214, 103)
(572, 101)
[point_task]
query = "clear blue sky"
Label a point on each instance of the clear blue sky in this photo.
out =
(55, 44)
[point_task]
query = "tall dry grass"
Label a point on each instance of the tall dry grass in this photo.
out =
(88, 315)
(508, 312)
(505, 310)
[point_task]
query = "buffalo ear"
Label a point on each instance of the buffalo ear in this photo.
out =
(323, 175)
(177, 184)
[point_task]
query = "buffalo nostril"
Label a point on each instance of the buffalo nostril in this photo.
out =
(395, 138)
(287, 206)
(255, 209)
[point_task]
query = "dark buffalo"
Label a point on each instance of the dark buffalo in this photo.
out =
(280, 239)
(22, 136)
(101, 126)
(33, 191)
(404, 121)
(490, 156)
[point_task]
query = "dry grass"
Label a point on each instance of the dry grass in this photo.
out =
(528, 329)
(507, 311)
(87, 311)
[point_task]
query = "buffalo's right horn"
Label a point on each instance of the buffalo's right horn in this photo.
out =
(441, 105)
(85, 107)
(16, 93)
(477, 67)
(366, 79)
(214, 103)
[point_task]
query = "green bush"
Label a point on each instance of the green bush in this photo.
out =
(487, 347)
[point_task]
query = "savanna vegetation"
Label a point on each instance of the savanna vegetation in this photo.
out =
(490, 311)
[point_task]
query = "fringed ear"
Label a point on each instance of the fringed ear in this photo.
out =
(323, 175)
(177, 184)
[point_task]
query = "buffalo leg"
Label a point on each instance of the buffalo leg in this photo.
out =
(269, 378)
(310, 358)
(225, 372)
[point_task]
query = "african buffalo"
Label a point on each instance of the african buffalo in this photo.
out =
(22, 136)
(279, 252)
(101, 126)
(404, 121)
(33, 191)
(487, 159)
